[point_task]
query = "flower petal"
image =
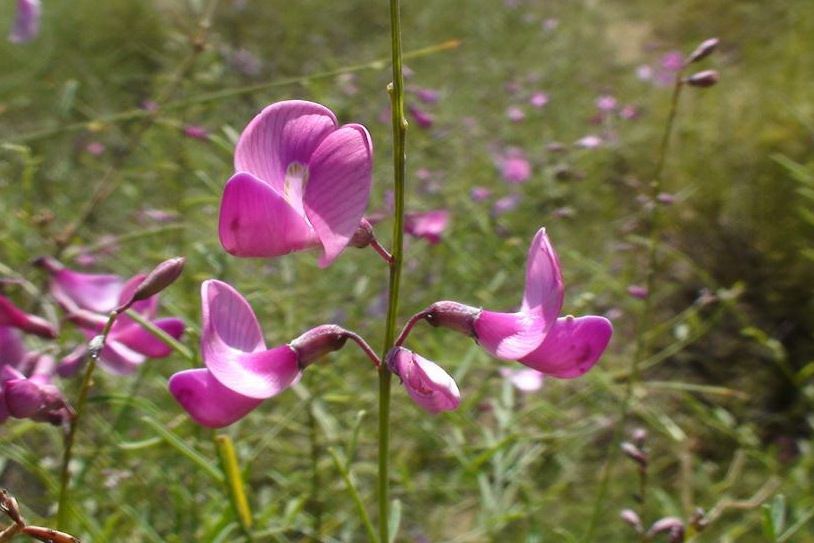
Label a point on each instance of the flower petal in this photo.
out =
(12, 350)
(140, 340)
(256, 221)
(426, 382)
(229, 323)
(525, 379)
(23, 397)
(91, 291)
(509, 335)
(259, 375)
(338, 188)
(545, 288)
(27, 21)
(282, 133)
(119, 359)
(571, 347)
(208, 402)
(11, 315)
(429, 225)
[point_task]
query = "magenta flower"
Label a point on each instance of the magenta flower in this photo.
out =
(428, 96)
(505, 204)
(538, 99)
(429, 225)
(196, 132)
(88, 298)
(13, 316)
(672, 61)
(240, 371)
(515, 114)
(301, 181)
(426, 382)
(31, 396)
(27, 22)
(514, 166)
(422, 118)
(606, 103)
(479, 194)
(563, 347)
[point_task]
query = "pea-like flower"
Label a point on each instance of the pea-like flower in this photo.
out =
(301, 181)
(240, 371)
(27, 21)
(563, 347)
(426, 382)
(14, 317)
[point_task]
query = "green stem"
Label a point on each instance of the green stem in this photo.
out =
(162, 336)
(316, 485)
(642, 344)
(396, 90)
(234, 483)
(344, 471)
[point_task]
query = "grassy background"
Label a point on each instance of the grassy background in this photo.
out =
(727, 399)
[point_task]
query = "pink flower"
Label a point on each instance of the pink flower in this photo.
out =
(27, 22)
(31, 396)
(590, 141)
(515, 114)
(429, 225)
(606, 103)
(13, 316)
(302, 181)
(672, 61)
(479, 194)
(524, 379)
(637, 291)
(629, 112)
(538, 99)
(422, 118)
(505, 204)
(514, 166)
(564, 347)
(240, 371)
(644, 72)
(428, 96)
(88, 298)
(426, 382)
(95, 148)
(196, 132)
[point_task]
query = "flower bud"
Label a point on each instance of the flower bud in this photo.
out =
(363, 235)
(704, 79)
(23, 398)
(672, 526)
(9, 506)
(452, 315)
(630, 517)
(703, 50)
(635, 453)
(157, 280)
(426, 382)
(318, 342)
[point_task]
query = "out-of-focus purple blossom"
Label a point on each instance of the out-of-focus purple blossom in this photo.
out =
(196, 131)
(95, 148)
(590, 141)
(672, 61)
(644, 72)
(505, 204)
(422, 118)
(347, 84)
(13, 316)
(428, 96)
(512, 87)
(26, 390)
(150, 214)
(525, 380)
(629, 112)
(637, 291)
(665, 198)
(150, 105)
(550, 24)
(27, 21)
(245, 62)
(606, 103)
(539, 99)
(479, 194)
(515, 114)
(514, 167)
(564, 212)
(428, 225)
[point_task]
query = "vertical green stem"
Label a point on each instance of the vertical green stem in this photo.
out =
(396, 91)
(234, 483)
(316, 484)
(640, 352)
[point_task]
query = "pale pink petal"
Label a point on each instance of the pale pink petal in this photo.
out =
(73, 361)
(140, 340)
(282, 133)
(509, 335)
(571, 347)
(208, 402)
(258, 375)
(256, 221)
(524, 380)
(91, 291)
(119, 359)
(429, 225)
(426, 382)
(338, 187)
(545, 288)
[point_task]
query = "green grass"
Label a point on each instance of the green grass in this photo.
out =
(727, 393)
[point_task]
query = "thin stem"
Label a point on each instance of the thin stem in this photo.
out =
(234, 483)
(384, 253)
(162, 336)
(368, 350)
(316, 485)
(70, 437)
(396, 90)
(642, 344)
(344, 471)
(409, 327)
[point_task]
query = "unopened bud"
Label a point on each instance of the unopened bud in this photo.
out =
(629, 516)
(8, 505)
(363, 235)
(639, 437)
(452, 315)
(318, 342)
(635, 453)
(49, 535)
(703, 50)
(157, 280)
(704, 79)
(671, 526)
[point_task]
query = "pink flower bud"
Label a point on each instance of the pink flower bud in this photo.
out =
(630, 517)
(635, 453)
(157, 280)
(426, 383)
(453, 315)
(704, 79)
(317, 342)
(672, 526)
(363, 235)
(703, 50)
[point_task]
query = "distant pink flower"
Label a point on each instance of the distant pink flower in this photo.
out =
(27, 22)
(515, 114)
(302, 181)
(637, 291)
(88, 298)
(479, 194)
(606, 103)
(590, 141)
(240, 371)
(564, 347)
(524, 379)
(538, 99)
(429, 225)
(505, 204)
(95, 148)
(672, 61)
(14, 317)
(514, 166)
(644, 72)
(422, 118)
(426, 382)
(629, 112)
(428, 96)
(196, 132)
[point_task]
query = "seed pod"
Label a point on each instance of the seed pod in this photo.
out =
(704, 79)
(703, 50)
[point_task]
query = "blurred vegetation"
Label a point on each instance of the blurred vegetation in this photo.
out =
(727, 395)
